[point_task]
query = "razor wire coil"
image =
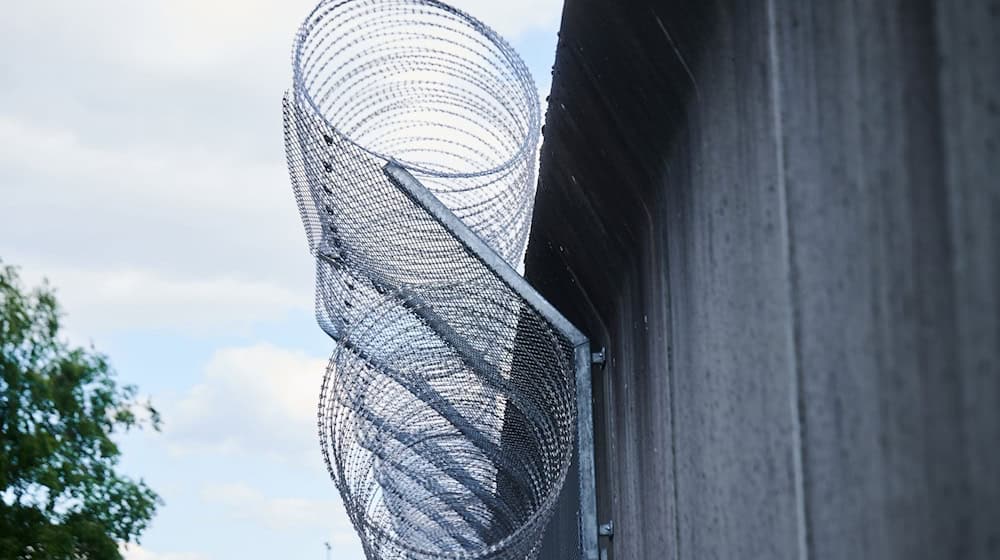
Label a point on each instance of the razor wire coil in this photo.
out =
(447, 411)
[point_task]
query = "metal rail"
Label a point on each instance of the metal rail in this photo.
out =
(588, 525)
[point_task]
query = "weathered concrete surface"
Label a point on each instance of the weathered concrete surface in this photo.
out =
(783, 220)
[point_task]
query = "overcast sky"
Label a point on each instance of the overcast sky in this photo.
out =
(142, 172)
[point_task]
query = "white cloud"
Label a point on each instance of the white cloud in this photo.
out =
(177, 34)
(256, 403)
(188, 36)
(102, 300)
(140, 237)
(195, 34)
(179, 180)
(257, 400)
(249, 504)
(140, 143)
(136, 552)
(513, 17)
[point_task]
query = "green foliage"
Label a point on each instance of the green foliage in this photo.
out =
(60, 496)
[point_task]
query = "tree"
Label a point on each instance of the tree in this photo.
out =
(60, 407)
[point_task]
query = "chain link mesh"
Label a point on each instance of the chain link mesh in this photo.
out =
(447, 412)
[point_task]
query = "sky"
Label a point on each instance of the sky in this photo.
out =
(142, 172)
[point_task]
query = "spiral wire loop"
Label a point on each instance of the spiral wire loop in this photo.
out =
(447, 414)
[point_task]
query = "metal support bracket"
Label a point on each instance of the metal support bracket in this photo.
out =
(585, 447)
(599, 358)
(607, 529)
(582, 356)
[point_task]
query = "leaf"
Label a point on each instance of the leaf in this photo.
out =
(59, 407)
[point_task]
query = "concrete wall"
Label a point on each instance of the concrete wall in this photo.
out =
(783, 220)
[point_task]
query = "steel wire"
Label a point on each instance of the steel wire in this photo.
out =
(447, 413)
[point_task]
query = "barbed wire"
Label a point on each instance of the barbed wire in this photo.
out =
(447, 412)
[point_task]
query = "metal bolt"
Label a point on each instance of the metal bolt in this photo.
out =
(607, 529)
(600, 357)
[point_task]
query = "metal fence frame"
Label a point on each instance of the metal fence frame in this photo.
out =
(422, 197)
